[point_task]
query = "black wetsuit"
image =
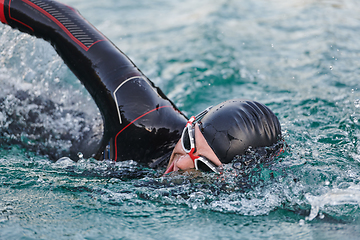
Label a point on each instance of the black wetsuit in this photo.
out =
(140, 122)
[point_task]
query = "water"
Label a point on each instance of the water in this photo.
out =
(300, 58)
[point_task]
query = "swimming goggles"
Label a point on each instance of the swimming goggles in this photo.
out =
(188, 145)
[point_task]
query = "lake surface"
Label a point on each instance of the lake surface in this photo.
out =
(300, 58)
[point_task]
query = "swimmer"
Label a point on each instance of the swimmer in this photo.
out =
(140, 122)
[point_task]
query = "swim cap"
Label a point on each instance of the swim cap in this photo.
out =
(233, 126)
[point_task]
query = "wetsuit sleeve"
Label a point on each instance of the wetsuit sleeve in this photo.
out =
(140, 122)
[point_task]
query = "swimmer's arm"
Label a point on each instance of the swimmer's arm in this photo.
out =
(97, 63)
(104, 70)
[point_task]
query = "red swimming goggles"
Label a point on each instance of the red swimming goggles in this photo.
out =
(188, 145)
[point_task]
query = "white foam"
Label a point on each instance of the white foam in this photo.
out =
(335, 197)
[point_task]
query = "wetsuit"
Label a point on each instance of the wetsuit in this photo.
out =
(140, 122)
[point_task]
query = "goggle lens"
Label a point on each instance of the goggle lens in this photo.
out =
(185, 140)
(203, 167)
(204, 164)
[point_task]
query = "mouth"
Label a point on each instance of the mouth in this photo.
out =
(171, 164)
(170, 168)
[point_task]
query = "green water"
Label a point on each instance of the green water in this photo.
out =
(300, 58)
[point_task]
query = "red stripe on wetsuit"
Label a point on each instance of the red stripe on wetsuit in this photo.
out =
(3, 18)
(58, 23)
(132, 123)
(2, 15)
(38, 8)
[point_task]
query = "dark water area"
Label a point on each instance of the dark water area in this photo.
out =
(300, 58)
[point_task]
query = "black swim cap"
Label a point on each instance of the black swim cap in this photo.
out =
(233, 126)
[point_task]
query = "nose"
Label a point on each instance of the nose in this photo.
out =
(184, 162)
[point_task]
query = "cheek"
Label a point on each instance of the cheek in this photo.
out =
(184, 163)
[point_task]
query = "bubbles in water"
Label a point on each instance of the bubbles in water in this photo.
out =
(357, 103)
(331, 68)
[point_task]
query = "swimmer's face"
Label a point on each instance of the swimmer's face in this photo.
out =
(180, 160)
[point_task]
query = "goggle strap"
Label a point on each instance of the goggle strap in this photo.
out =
(202, 114)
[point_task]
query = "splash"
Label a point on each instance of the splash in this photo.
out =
(43, 107)
(336, 197)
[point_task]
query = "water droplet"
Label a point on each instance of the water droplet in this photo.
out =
(80, 155)
(327, 183)
(357, 103)
(331, 68)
